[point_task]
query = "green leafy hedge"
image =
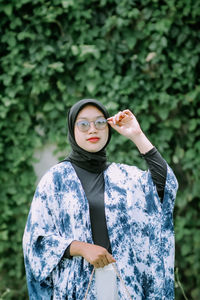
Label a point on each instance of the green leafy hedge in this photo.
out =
(142, 55)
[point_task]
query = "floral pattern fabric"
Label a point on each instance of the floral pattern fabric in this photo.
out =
(140, 229)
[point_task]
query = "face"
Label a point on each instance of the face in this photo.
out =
(92, 140)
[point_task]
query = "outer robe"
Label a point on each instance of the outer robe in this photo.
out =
(140, 229)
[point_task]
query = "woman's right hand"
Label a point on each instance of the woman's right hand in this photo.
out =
(96, 255)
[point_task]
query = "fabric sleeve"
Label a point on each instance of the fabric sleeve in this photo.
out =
(43, 242)
(161, 228)
(158, 168)
(67, 253)
(170, 190)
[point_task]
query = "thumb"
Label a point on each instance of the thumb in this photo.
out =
(113, 125)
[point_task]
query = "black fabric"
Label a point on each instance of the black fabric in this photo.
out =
(158, 168)
(93, 185)
(92, 162)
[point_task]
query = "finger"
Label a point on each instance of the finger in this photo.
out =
(105, 261)
(110, 258)
(127, 111)
(119, 116)
(114, 126)
(114, 119)
(111, 121)
(96, 265)
(124, 115)
(101, 263)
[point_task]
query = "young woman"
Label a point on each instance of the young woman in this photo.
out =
(110, 220)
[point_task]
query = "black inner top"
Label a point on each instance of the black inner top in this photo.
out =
(93, 185)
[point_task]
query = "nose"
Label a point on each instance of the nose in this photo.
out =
(92, 128)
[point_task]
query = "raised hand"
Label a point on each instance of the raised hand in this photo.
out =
(125, 123)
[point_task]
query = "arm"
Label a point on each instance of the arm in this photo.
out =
(126, 124)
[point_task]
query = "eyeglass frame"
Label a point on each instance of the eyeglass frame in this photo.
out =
(89, 123)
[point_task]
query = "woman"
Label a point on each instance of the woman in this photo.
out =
(90, 215)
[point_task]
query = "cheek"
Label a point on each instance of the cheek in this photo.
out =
(78, 137)
(105, 137)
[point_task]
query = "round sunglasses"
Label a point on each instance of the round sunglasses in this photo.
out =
(84, 125)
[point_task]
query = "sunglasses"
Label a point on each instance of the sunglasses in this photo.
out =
(99, 124)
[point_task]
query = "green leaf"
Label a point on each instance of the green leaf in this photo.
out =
(58, 66)
(91, 86)
(8, 9)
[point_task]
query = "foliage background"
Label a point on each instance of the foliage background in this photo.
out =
(143, 55)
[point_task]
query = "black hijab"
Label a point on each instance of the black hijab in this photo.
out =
(94, 162)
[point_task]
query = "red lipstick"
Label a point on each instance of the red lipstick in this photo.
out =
(93, 139)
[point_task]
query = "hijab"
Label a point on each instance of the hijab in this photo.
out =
(94, 162)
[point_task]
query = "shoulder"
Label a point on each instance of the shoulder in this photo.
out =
(56, 173)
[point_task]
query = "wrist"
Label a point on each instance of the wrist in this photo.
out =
(77, 248)
(142, 142)
(136, 137)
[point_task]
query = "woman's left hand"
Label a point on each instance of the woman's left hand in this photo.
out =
(126, 124)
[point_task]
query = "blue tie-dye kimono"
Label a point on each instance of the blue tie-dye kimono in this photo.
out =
(140, 229)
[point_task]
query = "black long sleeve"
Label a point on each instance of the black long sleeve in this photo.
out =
(158, 169)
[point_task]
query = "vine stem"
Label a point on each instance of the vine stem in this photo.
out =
(7, 291)
(180, 285)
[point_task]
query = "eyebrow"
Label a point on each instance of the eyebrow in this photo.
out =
(84, 118)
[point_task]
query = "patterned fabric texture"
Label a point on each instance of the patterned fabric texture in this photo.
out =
(140, 229)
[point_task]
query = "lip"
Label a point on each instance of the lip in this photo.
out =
(93, 139)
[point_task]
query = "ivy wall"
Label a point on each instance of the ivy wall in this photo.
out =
(138, 54)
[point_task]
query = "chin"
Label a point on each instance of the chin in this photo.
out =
(93, 149)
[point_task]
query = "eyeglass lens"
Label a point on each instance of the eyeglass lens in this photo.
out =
(85, 125)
